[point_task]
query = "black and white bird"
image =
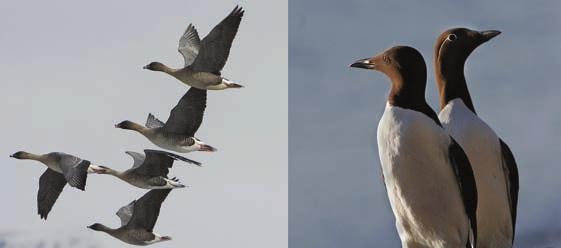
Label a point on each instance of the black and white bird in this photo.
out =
(138, 219)
(62, 168)
(205, 59)
(178, 132)
(149, 171)
(493, 163)
(428, 177)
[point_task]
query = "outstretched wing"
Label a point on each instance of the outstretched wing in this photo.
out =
(466, 181)
(157, 163)
(189, 44)
(75, 169)
(511, 175)
(125, 213)
(215, 47)
(153, 122)
(51, 184)
(147, 209)
(138, 158)
(186, 117)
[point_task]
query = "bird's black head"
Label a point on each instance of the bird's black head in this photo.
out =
(155, 66)
(19, 155)
(456, 44)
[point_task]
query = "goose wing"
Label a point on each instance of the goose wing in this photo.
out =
(511, 175)
(157, 163)
(189, 44)
(51, 184)
(125, 213)
(147, 209)
(153, 122)
(74, 169)
(186, 117)
(466, 181)
(138, 158)
(215, 47)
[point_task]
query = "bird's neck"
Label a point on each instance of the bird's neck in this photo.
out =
(36, 157)
(114, 173)
(410, 94)
(451, 83)
(137, 127)
(106, 229)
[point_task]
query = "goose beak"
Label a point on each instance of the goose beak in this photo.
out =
(207, 148)
(145, 67)
(11, 156)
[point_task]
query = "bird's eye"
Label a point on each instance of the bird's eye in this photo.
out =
(386, 59)
(452, 37)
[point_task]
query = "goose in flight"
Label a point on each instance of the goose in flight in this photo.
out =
(138, 219)
(149, 171)
(204, 59)
(62, 168)
(177, 133)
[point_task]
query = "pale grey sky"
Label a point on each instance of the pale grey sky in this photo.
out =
(71, 70)
(337, 198)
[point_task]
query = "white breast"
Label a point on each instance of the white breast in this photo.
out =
(422, 188)
(482, 146)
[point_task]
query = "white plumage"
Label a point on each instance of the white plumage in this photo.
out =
(483, 149)
(420, 181)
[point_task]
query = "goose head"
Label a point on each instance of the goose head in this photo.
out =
(129, 125)
(156, 66)
(98, 227)
(102, 170)
(21, 155)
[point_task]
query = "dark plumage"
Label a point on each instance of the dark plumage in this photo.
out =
(204, 59)
(62, 168)
(150, 171)
(178, 132)
(138, 219)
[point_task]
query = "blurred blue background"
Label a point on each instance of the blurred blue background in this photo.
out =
(336, 195)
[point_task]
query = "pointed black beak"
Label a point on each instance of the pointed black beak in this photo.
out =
(489, 34)
(363, 64)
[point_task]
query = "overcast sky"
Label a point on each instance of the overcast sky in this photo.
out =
(71, 70)
(337, 198)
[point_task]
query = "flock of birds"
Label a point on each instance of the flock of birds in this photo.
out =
(451, 181)
(204, 60)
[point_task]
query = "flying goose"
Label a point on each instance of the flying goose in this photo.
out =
(205, 59)
(138, 219)
(177, 134)
(62, 168)
(150, 171)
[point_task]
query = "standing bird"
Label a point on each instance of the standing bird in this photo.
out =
(205, 59)
(428, 177)
(138, 219)
(177, 134)
(150, 171)
(62, 168)
(494, 166)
